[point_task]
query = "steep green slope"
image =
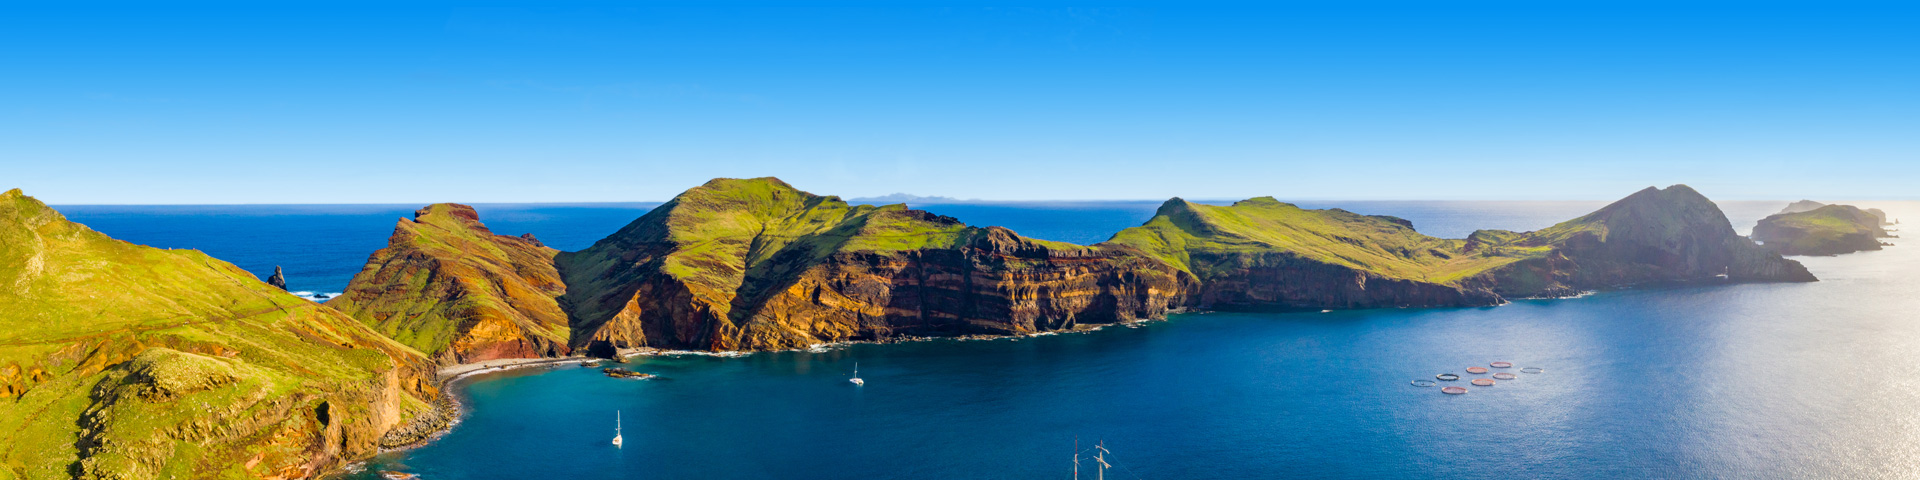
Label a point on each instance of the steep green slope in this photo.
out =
(757, 264)
(124, 361)
(1384, 245)
(447, 286)
(1828, 230)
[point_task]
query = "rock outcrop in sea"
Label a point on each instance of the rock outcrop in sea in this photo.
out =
(279, 279)
(449, 287)
(1828, 230)
(131, 362)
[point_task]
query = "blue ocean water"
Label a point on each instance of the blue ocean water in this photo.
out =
(1718, 381)
(321, 247)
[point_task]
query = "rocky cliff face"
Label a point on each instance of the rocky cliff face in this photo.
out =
(1828, 230)
(756, 264)
(1655, 235)
(130, 362)
(449, 287)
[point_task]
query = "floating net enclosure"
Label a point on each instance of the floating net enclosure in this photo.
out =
(1454, 390)
(1423, 383)
(1482, 382)
(1476, 370)
(1505, 376)
(1502, 364)
(1447, 377)
(1532, 370)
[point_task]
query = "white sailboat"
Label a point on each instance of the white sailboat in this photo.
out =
(856, 375)
(616, 428)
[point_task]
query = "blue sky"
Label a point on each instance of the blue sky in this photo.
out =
(284, 102)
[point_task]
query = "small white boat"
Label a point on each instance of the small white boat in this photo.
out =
(616, 428)
(856, 375)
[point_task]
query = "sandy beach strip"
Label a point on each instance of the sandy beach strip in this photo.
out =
(454, 372)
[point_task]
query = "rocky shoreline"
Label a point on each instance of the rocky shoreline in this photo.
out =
(446, 410)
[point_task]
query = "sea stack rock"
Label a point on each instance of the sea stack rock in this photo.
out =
(279, 279)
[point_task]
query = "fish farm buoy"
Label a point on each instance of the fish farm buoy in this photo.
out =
(1447, 376)
(1476, 370)
(1532, 370)
(1482, 382)
(1423, 383)
(1502, 364)
(1454, 390)
(1505, 376)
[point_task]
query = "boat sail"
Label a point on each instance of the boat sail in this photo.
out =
(616, 428)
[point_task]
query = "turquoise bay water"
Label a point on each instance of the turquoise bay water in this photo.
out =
(1711, 381)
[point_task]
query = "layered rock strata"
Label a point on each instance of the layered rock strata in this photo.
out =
(756, 264)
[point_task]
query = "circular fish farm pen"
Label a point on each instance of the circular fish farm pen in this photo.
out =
(1454, 390)
(1476, 370)
(1447, 377)
(1423, 383)
(1502, 365)
(1482, 382)
(1505, 376)
(1532, 370)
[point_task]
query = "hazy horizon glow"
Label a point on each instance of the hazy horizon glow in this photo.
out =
(567, 102)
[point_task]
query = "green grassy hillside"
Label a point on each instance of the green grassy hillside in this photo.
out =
(449, 287)
(1294, 257)
(124, 361)
(1828, 230)
(1382, 245)
(708, 262)
(715, 236)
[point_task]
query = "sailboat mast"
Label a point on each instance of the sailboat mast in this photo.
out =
(1076, 458)
(1101, 458)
